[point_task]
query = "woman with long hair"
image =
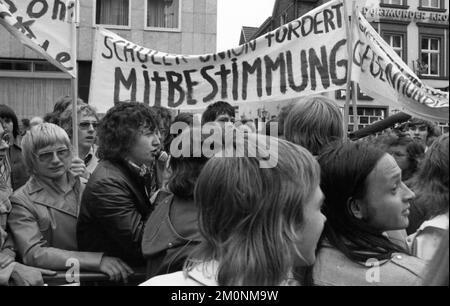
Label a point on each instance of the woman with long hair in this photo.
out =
(365, 198)
(259, 216)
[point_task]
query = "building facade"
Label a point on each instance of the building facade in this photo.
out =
(31, 85)
(418, 30)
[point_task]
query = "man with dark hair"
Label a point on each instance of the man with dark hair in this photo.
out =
(407, 153)
(220, 111)
(115, 203)
(19, 173)
(422, 131)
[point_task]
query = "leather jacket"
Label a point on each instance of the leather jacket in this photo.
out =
(114, 209)
(19, 172)
(43, 226)
(170, 234)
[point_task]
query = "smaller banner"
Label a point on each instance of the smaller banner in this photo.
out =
(382, 74)
(45, 26)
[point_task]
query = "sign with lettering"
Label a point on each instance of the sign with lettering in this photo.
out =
(382, 74)
(307, 56)
(43, 25)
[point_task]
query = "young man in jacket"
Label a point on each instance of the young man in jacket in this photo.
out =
(115, 204)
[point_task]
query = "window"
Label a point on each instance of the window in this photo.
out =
(112, 12)
(430, 53)
(163, 14)
(396, 42)
(393, 2)
(366, 116)
(27, 65)
(431, 3)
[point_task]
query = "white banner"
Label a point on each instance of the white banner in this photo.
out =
(45, 26)
(382, 74)
(307, 56)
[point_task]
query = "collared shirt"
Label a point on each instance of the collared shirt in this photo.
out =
(69, 196)
(91, 160)
(427, 240)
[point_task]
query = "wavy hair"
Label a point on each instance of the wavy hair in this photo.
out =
(250, 216)
(119, 129)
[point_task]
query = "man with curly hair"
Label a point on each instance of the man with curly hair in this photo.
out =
(115, 203)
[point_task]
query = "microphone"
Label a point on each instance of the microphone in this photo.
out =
(379, 126)
(162, 156)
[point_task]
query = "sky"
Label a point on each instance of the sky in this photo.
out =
(232, 15)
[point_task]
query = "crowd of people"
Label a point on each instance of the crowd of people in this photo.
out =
(329, 212)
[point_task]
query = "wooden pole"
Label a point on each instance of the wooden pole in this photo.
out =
(349, 70)
(354, 85)
(75, 83)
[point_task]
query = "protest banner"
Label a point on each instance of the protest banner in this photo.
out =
(45, 26)
(382, 74)
(306, 56)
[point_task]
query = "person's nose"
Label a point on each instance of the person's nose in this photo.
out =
(157, 141)
(409, 195)
(55, 158)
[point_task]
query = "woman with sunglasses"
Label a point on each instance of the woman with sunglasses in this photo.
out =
(45, 210)
(87, 135)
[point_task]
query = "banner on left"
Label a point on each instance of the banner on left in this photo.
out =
(45, 26)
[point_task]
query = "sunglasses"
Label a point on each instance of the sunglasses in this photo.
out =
(47, 157)
(85, 125)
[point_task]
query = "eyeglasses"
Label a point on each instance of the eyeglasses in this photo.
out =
(86, 124)
(47, 157)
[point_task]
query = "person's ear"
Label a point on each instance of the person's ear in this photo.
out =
(355, 208)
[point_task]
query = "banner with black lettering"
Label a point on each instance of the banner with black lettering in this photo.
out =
(43, 25)
(382, 74)
(307, 56)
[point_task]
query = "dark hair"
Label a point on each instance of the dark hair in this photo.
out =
(432, 129)
(345, 168)
(60, 106)
(119, 129)
(25, 122)
(186, 169)
(414, 150)
(313, 123)
(7, 112)
(215, 110)
(187, 118)
(431, 183)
